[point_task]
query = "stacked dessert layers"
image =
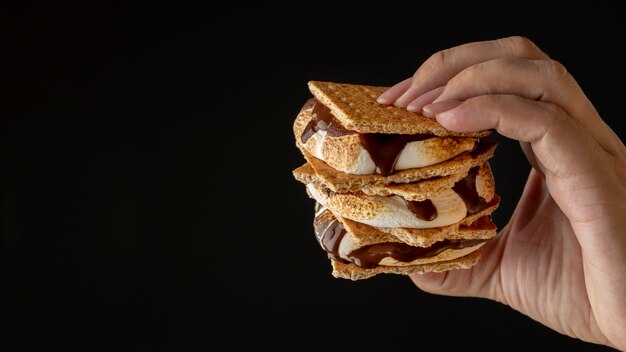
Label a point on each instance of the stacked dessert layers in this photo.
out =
(395, 191)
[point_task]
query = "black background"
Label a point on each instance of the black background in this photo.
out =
(147, 195)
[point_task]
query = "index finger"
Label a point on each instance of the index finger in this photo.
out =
(445, 64)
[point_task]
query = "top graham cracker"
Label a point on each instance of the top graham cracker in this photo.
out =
(355, 106)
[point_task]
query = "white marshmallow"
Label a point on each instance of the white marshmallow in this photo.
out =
(393, 211)
(414, 155)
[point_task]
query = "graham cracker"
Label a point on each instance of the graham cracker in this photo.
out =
(356, 108)
(474, 226)
(471, 228)
(415, 191)
(338, 181)
(353, 272)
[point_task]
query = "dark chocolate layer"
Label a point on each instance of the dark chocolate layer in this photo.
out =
(330, 233)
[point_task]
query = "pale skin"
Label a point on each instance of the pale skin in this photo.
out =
(561, 259)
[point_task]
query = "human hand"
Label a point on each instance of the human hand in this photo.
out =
(561, 259)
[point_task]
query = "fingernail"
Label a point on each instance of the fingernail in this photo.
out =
(406, 98)
(433, 109)
(400, 102)
(392, 93)
(383, 100)
(424, 99)
(414, 107)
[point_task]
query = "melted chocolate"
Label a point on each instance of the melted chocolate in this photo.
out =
(370, 256)
(322, 120)
(382, 148)
(424, 210)
(330, 233)
(466, 188)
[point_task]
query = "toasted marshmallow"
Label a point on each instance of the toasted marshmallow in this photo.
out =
(343, 153)
(390, 211)
(346, 154)
(443, 208)
(432, 151)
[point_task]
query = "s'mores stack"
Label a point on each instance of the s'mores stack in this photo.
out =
(395, 192)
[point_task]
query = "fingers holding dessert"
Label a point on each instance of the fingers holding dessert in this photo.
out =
(395, 191)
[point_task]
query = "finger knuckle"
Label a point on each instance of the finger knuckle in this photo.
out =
(554, 112)
(556, 69)
(476, 73)
(552, 122)
(556, 118)
(521, 46)
(438, 59)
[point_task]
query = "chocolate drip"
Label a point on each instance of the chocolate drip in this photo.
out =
(384, 149)
(322, 120)
(370, 256)
(330, 233)
(466, 189)
(424, 210)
